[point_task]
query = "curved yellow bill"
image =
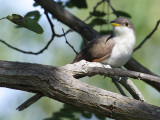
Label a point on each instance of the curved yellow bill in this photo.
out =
(115, 24)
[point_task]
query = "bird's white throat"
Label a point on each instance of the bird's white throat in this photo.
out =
(125, 36)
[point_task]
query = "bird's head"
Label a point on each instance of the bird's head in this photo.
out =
(122, 26)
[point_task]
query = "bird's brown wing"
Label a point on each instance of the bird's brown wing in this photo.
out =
(97, 50)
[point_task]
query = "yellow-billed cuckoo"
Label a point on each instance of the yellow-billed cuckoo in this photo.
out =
(115, 49)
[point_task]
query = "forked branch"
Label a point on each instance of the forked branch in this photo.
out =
(58, 83)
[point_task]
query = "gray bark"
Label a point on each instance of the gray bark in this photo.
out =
(58, 83)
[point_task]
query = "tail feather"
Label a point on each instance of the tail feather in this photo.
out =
(29, 102)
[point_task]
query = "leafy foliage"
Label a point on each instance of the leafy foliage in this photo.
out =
(72, 113)
(26, 22)
(124, 14)
(77, 3)
(34, 15)
(98, 13)
(35, 4)
(97, 21)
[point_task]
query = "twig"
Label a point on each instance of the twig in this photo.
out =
(2, 18)
(94, 10)
(118, 87)
(131, 88)
(61, 35)
(69, 43)
(114, 71)
(148, 36)
(110, 5)
(102, 11)
(108, 16)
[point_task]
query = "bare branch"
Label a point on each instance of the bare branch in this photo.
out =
(148, 36)
(61, 35)
(69, 43)
(58, 83)
(133, 65)
(91, 71)
(110, 5)
(118, 87)
(131, 88)
(94, 10)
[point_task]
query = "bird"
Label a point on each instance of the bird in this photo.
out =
(114, 49)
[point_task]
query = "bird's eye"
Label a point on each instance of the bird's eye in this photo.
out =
(126, 24)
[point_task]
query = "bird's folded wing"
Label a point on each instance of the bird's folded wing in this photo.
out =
(97, 50)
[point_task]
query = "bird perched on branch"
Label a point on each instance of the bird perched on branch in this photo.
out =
(115, 49)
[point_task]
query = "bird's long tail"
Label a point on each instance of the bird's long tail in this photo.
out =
(29, 102)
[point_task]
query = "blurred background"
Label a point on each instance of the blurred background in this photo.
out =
(145, 14)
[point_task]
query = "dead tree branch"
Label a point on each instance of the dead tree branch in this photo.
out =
(131, 88)
(58, 83)
(69, 43)
(132, 64)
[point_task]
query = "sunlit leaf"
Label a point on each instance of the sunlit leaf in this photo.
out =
(25, 22)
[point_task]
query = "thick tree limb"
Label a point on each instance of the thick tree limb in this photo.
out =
(86, 31)
(58, 83)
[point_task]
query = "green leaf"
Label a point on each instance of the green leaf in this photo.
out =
(35, 15)
(35, 4)
(60, 3)
(77, 3)
(66, 112)
(124, 14)
(98, 14)
(100, 117)
(98, 21)
(86, 114)
(25, 22)
(69, 4)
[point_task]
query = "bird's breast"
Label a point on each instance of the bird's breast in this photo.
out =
(121, 52)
